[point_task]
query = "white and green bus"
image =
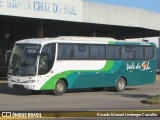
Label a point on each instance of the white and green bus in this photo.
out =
(58, 64)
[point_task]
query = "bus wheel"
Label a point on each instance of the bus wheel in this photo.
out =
(120, 85)
(60, 88)
(97, 89)
(35, 92)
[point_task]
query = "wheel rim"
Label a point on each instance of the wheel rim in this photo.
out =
(121, 85)
(60, 87)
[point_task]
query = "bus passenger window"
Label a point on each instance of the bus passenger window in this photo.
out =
(113, 52)
(81, 52)
(149, 52)
(65, 51)
(128, 52)
(139, 53)
(47, 54)
(98, 52)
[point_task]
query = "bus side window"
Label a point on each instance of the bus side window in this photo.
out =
(113, 52)
(48, 53)
(139, 53)
(65, 51)
(149, 52)
(81, 52)
(128, 52)
(98, 52)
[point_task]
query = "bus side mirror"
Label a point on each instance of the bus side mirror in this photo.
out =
(43, 62)
(7, 57)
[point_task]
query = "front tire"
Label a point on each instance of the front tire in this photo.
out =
(60, 88)
(120, 85)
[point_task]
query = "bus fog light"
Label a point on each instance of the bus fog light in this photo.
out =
(31, 86)
(30, 81)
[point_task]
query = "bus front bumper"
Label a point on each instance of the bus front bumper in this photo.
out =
(29, 86)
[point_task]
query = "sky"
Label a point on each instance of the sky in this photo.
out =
(152, 5)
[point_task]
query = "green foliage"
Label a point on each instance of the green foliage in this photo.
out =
(152, 100)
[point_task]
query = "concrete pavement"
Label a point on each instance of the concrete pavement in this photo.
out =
(78, 99)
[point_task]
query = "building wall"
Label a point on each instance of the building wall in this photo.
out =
(81, 11)
(122, 16)
(67, 10)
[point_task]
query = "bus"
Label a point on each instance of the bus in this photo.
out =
(58, 64)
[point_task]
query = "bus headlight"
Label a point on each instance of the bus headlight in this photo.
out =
(31, 81)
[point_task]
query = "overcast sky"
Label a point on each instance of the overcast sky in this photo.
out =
(153, 5)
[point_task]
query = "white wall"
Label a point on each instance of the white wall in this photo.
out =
(81, 11)
(68, 10)
(122, 16)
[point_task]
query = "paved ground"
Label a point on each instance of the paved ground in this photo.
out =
(79, 100)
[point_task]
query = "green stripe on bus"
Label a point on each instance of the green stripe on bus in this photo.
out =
(50, 84)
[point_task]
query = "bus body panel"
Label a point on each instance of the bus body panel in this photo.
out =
(107, 76)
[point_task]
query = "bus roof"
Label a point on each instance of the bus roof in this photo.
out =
(73, 39)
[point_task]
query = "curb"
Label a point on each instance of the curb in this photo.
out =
(157, 77)
(3, 81)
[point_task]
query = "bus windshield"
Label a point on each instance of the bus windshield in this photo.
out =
(23, 60)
